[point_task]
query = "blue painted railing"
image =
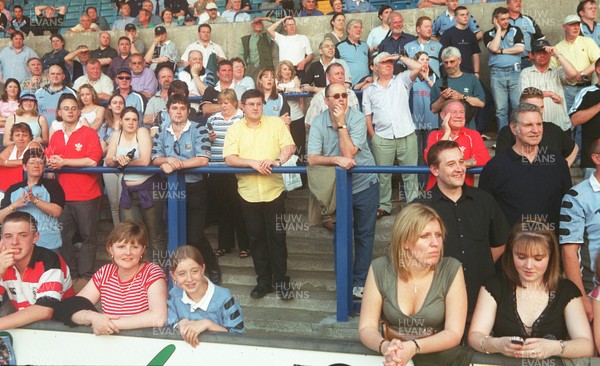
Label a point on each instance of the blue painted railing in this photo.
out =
(344, 238)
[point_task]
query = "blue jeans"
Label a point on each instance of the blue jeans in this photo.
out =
(571, 92)
(505, 89)
(364, 209)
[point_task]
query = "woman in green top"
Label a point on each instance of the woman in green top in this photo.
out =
(419, 294)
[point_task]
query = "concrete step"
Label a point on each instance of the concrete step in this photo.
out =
(308, 323)
(305, 299)
(309, 280)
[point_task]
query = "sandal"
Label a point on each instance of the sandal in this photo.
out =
(220, 252)
(244, 253)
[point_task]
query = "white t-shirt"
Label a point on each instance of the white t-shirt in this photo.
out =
(293, 48)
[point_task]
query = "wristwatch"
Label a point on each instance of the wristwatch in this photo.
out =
(465, 98)
(278, 161)
(342, 127)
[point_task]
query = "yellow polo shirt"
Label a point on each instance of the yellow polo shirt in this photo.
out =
(262, 143)
(581, 53)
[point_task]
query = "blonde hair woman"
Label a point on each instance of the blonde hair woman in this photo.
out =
(427, 321)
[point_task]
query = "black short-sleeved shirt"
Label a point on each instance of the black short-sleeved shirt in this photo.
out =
(553, 137)
(315, 75)
(177, 6)
(474, 224)
(524, 190)
(108, 52)
(550, 323)
(466, 42)
(590, 130)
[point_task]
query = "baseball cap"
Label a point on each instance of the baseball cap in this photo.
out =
(210, 6)
(571, 19)
(160, 30)
(27, 95)
(124, 70)
(538, 45)
(130, 27)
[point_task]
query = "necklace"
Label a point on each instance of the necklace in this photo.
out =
(133, 278)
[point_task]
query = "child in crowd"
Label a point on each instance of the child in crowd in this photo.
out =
(197, 305)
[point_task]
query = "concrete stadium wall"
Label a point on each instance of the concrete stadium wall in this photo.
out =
(548, 14)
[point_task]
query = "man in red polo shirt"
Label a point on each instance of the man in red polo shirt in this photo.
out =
(34, 278)
(75, 145)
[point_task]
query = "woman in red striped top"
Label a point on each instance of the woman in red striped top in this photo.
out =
(133, 293)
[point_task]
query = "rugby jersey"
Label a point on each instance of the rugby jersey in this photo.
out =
(45, 282)
(126, 298)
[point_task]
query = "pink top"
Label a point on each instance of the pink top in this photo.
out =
(126, 298)
(7, 109)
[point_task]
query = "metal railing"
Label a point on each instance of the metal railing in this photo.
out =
(343, 239)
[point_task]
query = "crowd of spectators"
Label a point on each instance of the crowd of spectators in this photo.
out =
(395, 98)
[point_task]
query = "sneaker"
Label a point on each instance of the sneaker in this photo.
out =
(357, 292)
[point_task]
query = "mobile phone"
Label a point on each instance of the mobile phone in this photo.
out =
(517, 340)
(442, 88)
(209, 126)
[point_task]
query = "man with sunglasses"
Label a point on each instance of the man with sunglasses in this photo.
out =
(185, 144)
(42, 198)
(143, 79)
(338, 137)
(390, 125)
(132, 98)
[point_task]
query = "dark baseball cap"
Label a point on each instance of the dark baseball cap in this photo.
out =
(130, 27)
(160, 30)
(539, 44)
(124, 70)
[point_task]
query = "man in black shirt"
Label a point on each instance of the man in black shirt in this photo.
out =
(461, 37)
(553, 137)
(476, 229)
(527, 181)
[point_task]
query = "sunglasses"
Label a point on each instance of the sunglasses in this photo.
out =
(124, 77)
(338, 95)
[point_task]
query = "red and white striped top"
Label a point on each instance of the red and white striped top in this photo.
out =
(126, 298)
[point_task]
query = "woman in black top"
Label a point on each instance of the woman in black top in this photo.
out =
(529, 309)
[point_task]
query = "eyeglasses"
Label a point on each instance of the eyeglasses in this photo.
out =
(124, 77)
(67, 109)
(338, 95)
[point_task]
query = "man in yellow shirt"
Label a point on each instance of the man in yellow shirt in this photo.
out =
(260, 143)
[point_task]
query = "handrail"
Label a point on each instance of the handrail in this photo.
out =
(343, 243)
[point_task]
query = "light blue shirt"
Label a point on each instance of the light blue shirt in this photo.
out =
(217, 305)
(193, 142)
(14, 64)
(580, 224)
(363, 6)
(445, 21)
(324, 140)
(431, 48)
